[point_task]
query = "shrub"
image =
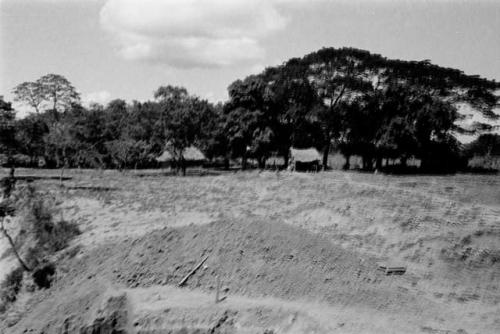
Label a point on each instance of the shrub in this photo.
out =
(39, 234)
(60, 236)
(21, 160)
(50, 236)
(10, 287)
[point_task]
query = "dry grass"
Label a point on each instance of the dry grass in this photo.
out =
(445, 229)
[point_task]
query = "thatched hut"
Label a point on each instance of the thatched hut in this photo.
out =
(305, 159)
(190, 156)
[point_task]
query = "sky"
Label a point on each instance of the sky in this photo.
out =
(127, 48)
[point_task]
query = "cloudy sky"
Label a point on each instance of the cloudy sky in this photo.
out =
(127, 48)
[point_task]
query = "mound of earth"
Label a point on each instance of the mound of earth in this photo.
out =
(256, 258)
(253, 260)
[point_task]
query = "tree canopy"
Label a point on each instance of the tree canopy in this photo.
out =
(51, 91)
(350, 100)
(367, 104)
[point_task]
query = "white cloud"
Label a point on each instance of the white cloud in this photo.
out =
(193, 33)
(101, 97)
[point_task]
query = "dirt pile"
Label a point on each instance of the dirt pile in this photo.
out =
(253, 259)
(256, 258)
(443, 229)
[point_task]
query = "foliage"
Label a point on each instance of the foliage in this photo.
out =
(10, 287)
(356, 101)
(126, 153)
(30, 94)
(7, 131)
(39, 234)
(370, 105)
(484, 145)
(51, 91)
(38, 212)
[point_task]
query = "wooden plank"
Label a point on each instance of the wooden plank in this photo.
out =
(217, 299)
(184, 280)
(392, 269)
(395, 270)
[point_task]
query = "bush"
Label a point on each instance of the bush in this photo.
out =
(39, 233)
(62, 233)
(484, 163)
(50, 236)
(10, 286)
(43, 275)
(21, 160)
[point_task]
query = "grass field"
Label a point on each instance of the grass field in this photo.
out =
(302, 248)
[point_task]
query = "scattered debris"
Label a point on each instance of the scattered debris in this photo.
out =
(392, 270)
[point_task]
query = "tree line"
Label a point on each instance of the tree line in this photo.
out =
(349, 100)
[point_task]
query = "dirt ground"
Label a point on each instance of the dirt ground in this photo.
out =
(295, 253)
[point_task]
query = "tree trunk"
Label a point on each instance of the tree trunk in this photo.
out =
(244, 161)
(183, 166)
(404, 161)
(262, 163)
(378, 164)
(226, 163)
(286, 159)
(326, 152)
(347, 164)
(367, 162)
(13, 246)
(61, 176)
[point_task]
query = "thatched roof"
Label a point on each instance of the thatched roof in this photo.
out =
(305, 155)
(194, 154)
(164, 157)
(191, 153)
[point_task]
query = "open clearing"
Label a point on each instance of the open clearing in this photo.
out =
(296, 253)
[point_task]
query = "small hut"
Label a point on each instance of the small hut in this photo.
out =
(305, 159)
(193, 154)
(190, 156)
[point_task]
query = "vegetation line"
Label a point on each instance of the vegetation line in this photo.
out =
(348, 100)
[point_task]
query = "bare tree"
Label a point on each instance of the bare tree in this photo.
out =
(29, 93)
(57, 91)
(52, 90)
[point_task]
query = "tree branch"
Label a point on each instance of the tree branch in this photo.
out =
(12, 245)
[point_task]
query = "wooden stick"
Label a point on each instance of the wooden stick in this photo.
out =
(218, 289)
(181, 283)
(13, 246)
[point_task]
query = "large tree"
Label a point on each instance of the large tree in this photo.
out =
(248, 120)
(51, 91)
(409, 98)
(340, 76)
(30, 132)
(184, 127)
(58, 92)
(294, 105)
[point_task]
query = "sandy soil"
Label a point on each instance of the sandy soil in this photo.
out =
(284, 244)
